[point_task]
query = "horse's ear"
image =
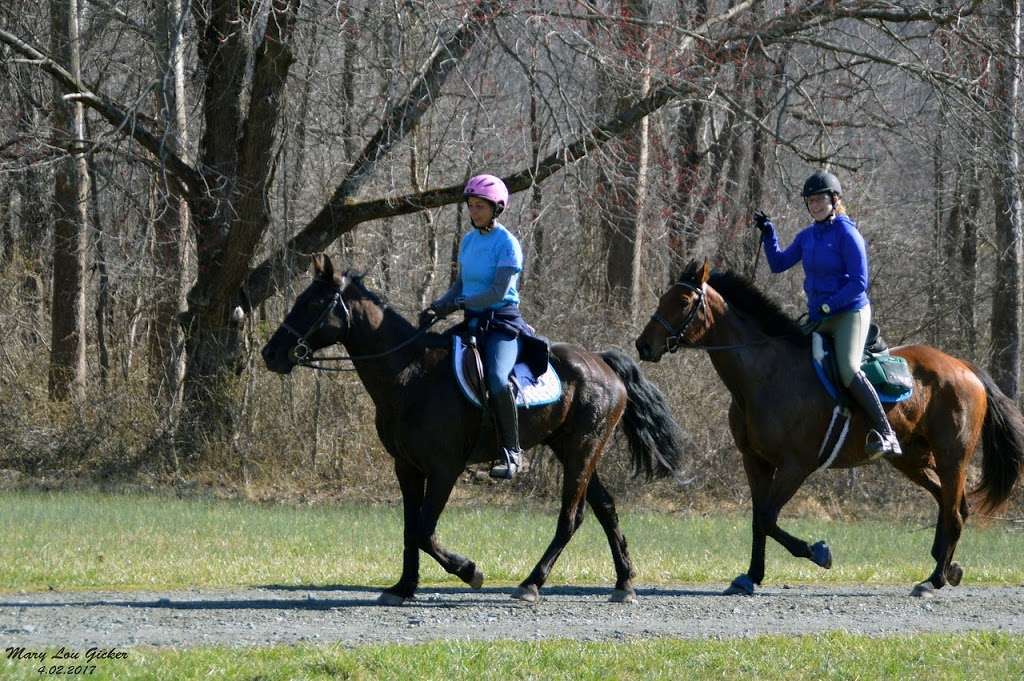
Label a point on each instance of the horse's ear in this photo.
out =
(689, 272)
(705, 272)
(323, 268)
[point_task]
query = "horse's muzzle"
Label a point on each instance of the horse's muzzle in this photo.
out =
(277, 360)
(646, 352)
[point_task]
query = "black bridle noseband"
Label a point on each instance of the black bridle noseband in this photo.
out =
(675, 336)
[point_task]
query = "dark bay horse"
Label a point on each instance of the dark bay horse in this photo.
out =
(433, 432)
(780, 412)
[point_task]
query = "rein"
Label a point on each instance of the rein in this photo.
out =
(303, 354)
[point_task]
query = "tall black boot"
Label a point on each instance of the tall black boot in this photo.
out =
(503, 406)
(881, 439)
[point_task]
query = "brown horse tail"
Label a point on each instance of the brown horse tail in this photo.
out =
(656, 442)
(1003, 436)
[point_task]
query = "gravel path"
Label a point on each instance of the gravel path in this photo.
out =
(349, 615)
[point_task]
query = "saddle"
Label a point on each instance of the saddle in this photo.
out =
(888, 373)
(531, 390)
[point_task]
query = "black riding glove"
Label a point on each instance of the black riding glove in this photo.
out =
(763, 223)
(428, 317)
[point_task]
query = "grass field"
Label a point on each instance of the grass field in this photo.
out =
(928, 657)
(75, 541)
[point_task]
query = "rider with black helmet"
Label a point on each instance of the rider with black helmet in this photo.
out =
(836, 283)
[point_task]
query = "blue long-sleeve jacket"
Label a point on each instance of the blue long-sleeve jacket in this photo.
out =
(835, 264)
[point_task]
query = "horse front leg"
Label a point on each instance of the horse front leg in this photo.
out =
(439, 489)
(412, 483)
(771, 489)
(759, 474)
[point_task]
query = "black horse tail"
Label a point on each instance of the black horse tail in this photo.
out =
(656, 442)
(1003, 437)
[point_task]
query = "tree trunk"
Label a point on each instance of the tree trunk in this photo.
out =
(538, 270)
(6, 226)
(170, 223)
(968, 260)
(238, 155)
(688, 157)
(624, 179)
(71, 195)
(104, 312)
(1004, 361)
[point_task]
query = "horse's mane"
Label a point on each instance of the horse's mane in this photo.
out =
(356, 280)
(741, 293)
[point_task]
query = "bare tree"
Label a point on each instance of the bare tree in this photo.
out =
(171, 219)
(622, 178)
(71, 197)
(1004, 362)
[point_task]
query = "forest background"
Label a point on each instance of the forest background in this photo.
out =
(164, 163)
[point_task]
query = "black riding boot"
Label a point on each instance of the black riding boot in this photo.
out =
(881, 439)
(503, 406)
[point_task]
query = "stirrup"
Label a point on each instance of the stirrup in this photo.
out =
(886, 445)
(508, 468)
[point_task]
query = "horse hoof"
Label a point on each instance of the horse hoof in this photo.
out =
(741, 586)
(530, 594)
(923, 590)
(954, 573)
(391, 599)
(623, 596)
(821, 555)
(477, 581)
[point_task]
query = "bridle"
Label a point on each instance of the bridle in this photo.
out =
(302, 354)
(675, 336)
(675, 339)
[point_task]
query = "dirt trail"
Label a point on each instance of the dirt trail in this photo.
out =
(349, 615)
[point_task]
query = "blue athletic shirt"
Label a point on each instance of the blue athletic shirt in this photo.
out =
(481, 254)
(835, 264)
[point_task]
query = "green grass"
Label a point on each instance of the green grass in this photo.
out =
(929, 657)
(73, 541)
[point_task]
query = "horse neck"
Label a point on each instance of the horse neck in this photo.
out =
(744, 367)
(377, 330)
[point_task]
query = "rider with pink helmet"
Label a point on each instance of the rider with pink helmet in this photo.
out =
(490, 260)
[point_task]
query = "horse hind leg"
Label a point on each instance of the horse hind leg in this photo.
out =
(947, 534)
(948, 491)
(579, 459)
(603, 506)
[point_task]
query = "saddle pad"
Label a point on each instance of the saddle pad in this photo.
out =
(821, 356)
(533, 391)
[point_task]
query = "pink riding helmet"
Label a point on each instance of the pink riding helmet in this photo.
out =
(489, 188)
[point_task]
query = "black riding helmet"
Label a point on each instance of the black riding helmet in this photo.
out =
(822, 182)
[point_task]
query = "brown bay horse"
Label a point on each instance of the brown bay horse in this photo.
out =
(779, 415)
(432, 431)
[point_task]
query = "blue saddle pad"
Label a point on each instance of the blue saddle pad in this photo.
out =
(822, 357)
(532, 391)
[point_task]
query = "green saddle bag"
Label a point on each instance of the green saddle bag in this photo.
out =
(888, 373)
